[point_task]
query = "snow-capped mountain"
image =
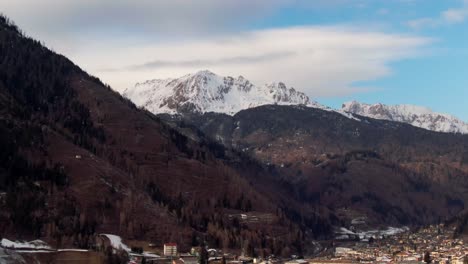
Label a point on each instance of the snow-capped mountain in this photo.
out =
(414, 115)
(205, 91)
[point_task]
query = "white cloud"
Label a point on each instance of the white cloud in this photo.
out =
(322, 61)
(455, 15)
(160, 18)
(174, 18)
(128, 41)
(447, 17)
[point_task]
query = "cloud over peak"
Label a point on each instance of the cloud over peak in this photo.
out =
(321, 61)
(128, 41)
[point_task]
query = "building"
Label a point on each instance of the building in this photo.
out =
(170, 249)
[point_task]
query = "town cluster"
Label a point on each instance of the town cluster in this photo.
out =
(433, 244)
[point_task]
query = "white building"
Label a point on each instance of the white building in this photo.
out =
(170, 249)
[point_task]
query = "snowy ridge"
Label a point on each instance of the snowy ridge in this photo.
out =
(414, 115)
(205, 91)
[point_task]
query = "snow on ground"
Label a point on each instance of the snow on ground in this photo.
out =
(33, 251)
(35, 244)
(150, 255)
(344, 233)
(117, 243)
(72, 250)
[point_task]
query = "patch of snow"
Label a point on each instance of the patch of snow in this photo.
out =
(116, 242)
(345, 231)
(35, 244)
(33, 251)
(150, 255)
(72, 250)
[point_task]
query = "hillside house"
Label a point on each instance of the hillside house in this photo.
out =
(170, 249)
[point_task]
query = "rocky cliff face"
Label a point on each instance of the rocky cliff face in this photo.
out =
(205, 91)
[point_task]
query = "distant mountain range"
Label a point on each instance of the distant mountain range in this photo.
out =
(205, 91)
(410, 114)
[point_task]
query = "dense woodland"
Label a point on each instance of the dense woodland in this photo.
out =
(38, 102)
(35, 98)
(325, 158)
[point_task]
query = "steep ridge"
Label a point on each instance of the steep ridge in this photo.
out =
(78, 159)
(410, 114)
(205, 91)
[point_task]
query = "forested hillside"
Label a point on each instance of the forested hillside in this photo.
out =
(388, 171)
(78, 159)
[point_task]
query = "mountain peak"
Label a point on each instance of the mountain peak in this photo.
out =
(205, 91)
(203, 73)
(418, 116)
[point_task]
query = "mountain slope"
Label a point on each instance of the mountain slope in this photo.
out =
(413, 115)
(78, 159)
(205, 91)
(390, 172)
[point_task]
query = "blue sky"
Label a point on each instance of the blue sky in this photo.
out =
(437, 79)
(388, 51)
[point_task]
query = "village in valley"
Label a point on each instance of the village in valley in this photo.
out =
(432, 244)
